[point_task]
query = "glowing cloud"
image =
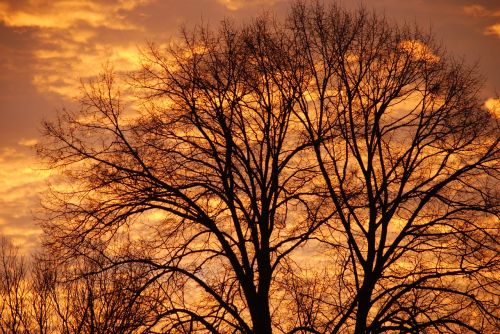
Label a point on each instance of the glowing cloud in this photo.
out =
(493, 106)
(20, 184)
(75, 38)
(493, 30)
(239, 4)
(68, 59)
(67, 13)
(419, 51)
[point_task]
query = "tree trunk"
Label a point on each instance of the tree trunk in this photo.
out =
(364, 300)
(261, 316)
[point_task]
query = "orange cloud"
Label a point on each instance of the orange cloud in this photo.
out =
(419, 51)
(63, 68)
(493, 106)
(28, 142)
(239, 4)
(72, 44)
(493, 30)
(480, 11)
(20, 185)
(63, 14)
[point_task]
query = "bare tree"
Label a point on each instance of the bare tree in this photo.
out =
(333, 134)
(218, 158)
(88, 300)
(14, 308)
(40, 296)
(41, 283)
(409, 158)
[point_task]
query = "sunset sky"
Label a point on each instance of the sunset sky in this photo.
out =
(48, 46)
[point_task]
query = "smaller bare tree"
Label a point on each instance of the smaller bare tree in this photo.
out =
(14, 291)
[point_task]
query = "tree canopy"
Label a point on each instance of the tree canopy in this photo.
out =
(332, 172)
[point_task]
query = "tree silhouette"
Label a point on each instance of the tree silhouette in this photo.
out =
(85, 299)
(333, 172)
(409, 159)
(13, 290)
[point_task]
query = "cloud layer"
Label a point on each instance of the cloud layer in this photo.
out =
(48, 46)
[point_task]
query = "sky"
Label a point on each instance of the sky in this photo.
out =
(48, 47)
